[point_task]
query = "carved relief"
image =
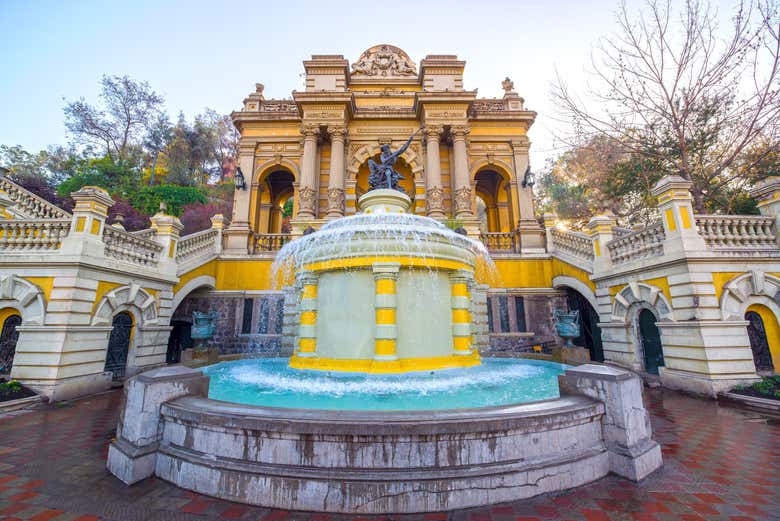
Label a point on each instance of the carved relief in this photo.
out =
(463, 200)
(335, 200)
(307, 198)
(385, 61)
(435, 199)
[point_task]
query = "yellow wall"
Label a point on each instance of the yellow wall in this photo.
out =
(44, 283)
(5, 313)
(772, 328)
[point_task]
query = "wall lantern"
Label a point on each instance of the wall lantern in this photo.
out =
(239, 179)
(528, 178)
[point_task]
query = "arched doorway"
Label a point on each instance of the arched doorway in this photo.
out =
(119, 344)
(8, 338)
(276, 189)
(590, 333)
(650, 339)
(491, 188)
(179, 339)
(759, 341)
(407, 183)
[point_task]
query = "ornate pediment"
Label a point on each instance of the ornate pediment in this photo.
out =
(384, 61)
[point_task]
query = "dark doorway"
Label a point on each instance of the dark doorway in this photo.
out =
(8, 338)
(759, 343)
(651, 341)
(590, 333)
(179, 340)
(119, 344)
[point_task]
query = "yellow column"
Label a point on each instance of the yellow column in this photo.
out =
(461, 312)
(307, 327)
(385, 277)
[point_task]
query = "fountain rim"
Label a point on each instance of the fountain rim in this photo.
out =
(392, 422)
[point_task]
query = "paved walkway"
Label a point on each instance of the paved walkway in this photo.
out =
(720, 464)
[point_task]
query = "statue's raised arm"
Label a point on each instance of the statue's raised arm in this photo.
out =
(406, 145)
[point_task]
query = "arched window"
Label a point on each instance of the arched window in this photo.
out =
(760, 323)
(276, 189)
(493, 189)
(8, 338)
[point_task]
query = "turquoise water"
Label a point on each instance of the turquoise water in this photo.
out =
(270, 382)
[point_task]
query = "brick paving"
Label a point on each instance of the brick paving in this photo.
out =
(721, 463)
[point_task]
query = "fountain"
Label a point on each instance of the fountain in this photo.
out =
(421, 423)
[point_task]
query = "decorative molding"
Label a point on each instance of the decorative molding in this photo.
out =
(25, 297)
(434, 199)
(127, 298)
(463, 200)
(384, 61)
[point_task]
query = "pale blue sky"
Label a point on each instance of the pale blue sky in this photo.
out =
(210, 54)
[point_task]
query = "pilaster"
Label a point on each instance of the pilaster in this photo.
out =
(461, 312)
(385, 304)
(307, 329)
(239, 232)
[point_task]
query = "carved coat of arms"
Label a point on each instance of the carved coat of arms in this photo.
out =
(384, 60)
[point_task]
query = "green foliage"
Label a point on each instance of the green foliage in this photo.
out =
(287, 209)
(10, 387)
(148, 198)
(118, 177)
(764, 387)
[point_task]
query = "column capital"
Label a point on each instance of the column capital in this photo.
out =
(459, 131)
(307, 278)
(462, 276)
(310, 130)
(337, 132)
(433, 132)
(385, 270)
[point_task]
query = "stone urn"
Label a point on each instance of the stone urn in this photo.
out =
(567, 325)
(203, 327)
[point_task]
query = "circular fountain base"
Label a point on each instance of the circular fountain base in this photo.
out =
(380, 462)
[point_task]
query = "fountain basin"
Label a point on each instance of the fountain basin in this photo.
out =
(381, 462)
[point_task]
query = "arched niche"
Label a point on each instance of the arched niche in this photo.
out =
(131, 298)
(25, 297)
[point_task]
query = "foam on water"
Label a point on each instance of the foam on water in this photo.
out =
(498, 381)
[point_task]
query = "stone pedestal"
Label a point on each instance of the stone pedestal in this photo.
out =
(633, 453)
(132, 455)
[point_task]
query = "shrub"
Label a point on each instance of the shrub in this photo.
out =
(148, 198)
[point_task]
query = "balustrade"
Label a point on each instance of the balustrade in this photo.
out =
(198, 244)
(127, 247)
(738, 234)
(32, 234)
(500, 242)
(575, 244)
(639, 244)
(30, 204)
(270, 241)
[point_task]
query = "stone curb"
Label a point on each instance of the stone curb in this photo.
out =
(765, 404)
(21, 403)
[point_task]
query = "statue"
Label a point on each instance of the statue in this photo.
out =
(382, 174)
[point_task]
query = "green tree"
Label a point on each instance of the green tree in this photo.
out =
(148, 198)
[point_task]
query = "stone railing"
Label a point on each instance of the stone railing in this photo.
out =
(130, 248)
(148, 233)
(575, 244)
(639, 244)
(500, 242)
(32, 235)
(739, 234)
(30, 204)
(197, 245)
(270, 241)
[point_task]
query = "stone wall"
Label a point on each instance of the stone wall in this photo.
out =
(241, 329)
(515, 330)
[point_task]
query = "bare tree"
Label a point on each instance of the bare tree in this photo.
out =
(681, 91)
(126, 111)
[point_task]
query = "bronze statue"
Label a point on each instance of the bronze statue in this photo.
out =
(382, 174)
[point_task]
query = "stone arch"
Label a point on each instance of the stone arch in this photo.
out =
(492, 164)
(365, 152)
(25, 297)
(745, 290)
(638, 295)
(565, 281)
(492, 184)
(204, 281)
(266, 167)
(132, 298)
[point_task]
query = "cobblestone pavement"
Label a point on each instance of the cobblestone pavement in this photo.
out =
(720, 463)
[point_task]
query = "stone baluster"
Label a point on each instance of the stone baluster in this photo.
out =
(385, 304)
(434, 192)
(89, 219)
(462, 179)
(307, 328)
(336, 178)
(767, 193)
(601, 232)
(307, 191)
(461, 312)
